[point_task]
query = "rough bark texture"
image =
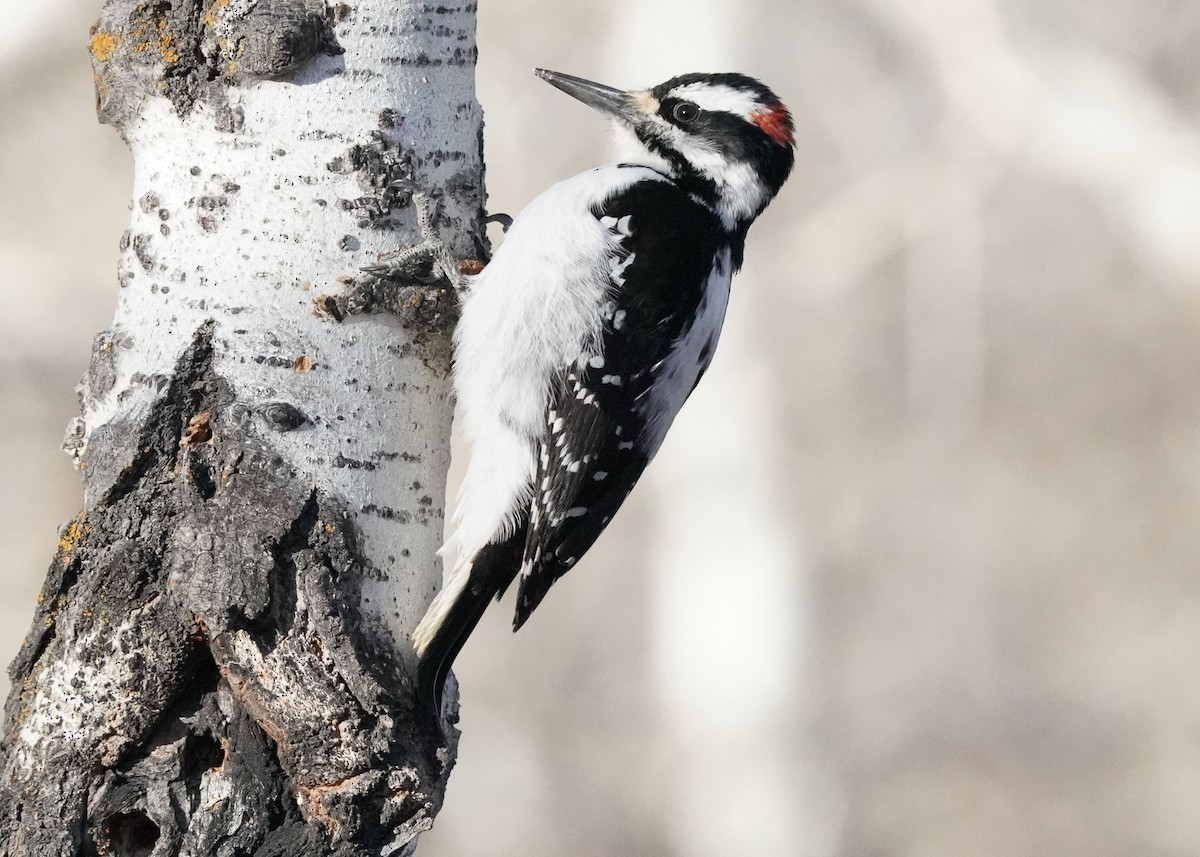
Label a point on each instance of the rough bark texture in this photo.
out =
(219, 664)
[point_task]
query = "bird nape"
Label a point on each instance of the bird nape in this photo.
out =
(587, 331)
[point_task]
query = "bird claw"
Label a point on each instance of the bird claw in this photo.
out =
(427, 262)
(504, 220)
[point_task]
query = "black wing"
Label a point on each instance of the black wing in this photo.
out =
(590, 458)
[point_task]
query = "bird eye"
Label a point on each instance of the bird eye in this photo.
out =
(685, 112)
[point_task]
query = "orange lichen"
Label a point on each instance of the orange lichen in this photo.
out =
(71, 536)
(103, 46)
(164, 47)
(154, 35)
(303, 364)
(138, 34)
(213, 16)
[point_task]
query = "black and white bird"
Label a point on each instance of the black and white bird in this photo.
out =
(583, 336)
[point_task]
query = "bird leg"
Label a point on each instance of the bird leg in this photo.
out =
(427, 262)
(421, 284)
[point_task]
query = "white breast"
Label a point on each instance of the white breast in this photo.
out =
(538, 304)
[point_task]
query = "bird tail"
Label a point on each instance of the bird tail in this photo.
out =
(456, 611)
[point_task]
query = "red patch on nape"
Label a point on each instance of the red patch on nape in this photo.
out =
(776, 122)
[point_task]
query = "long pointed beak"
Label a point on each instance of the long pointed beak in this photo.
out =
(607, 100)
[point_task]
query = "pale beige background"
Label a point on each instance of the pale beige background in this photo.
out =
(917, 572)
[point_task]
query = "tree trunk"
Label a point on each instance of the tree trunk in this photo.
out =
(220, 662)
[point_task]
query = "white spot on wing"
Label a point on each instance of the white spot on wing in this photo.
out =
(617, 269)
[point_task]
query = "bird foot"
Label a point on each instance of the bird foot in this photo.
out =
(427, 262)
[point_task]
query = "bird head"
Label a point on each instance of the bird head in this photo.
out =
(726, 138)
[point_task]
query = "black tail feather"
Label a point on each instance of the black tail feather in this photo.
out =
(435, 663)
(492, 569)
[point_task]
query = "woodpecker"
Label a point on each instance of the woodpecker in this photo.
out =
(580, 340)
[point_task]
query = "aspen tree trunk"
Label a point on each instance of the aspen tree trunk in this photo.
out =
(220, 660)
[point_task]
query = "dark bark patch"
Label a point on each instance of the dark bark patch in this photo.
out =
(201, 474)
(101, 374)
(430, 309)
(282, 416)
(130, 834)
(327, 306)
(385, 173)
(141, 249)
(273, 38)
(131, 453)
(224, 692)
(191, 50)
(340, 460)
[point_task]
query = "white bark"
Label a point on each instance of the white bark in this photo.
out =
(249, 227)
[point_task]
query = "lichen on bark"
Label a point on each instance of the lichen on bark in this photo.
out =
(192, 51)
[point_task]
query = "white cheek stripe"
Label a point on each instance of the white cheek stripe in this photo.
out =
(741, 190)
(718, 96)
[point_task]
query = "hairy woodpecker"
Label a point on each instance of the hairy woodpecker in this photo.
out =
(583, 336)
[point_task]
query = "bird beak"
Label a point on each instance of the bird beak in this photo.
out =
(607, 100)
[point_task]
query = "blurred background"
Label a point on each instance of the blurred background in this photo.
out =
(917, 571)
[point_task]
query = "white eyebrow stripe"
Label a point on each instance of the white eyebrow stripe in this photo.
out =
(718, 96)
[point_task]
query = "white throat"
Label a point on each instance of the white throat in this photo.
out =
(631, 150)
(742, 194)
